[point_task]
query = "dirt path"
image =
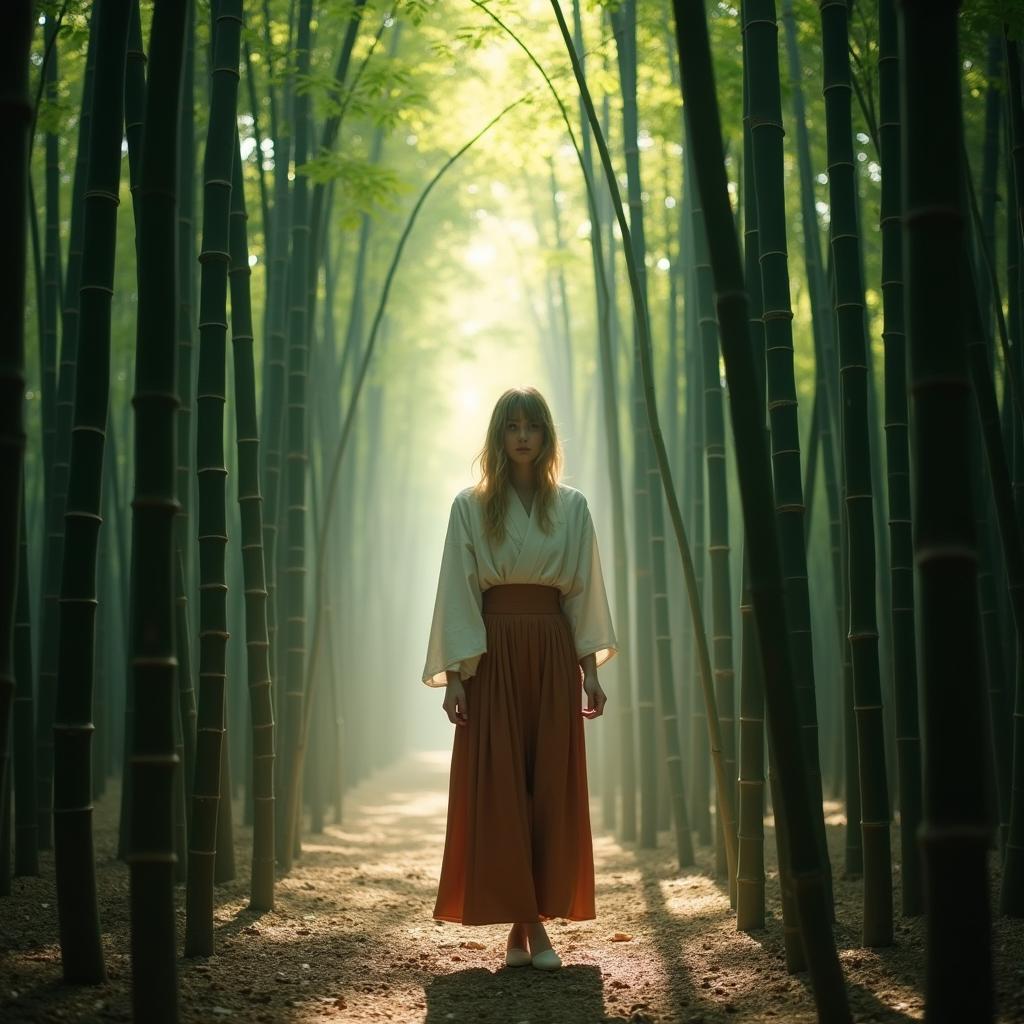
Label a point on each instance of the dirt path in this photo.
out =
(352, 939)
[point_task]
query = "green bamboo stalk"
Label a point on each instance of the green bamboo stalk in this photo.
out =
(992, 596)
(135, 110)
(297, 435)
(81, 951)
(51, 288)
(645, 502)
(224, 865)
(332, 125)
(258, 155)
(47, 686)
(186, 331)
(750, 876)
(718, 512)
(211, 473)
(1012, 891)
(26, 828)
(750, 913)
(154, 761)
(613, 446)
(846, 247)
(700, 761)
(1015, 109)
(955, 833)
(47, 292)
(901, 561)
(249, 500)
(811, 464)
(767, 588)
(273, 392)
(563, 351)
(989, 295)
(186, 694)
(826, 370)
(766, 137)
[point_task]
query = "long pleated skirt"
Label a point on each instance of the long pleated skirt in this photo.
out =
(518, 844)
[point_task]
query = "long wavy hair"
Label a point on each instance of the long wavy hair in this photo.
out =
(492, 491)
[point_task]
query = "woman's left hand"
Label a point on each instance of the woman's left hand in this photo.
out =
(596, 697)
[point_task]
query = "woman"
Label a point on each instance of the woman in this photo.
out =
(520, 620)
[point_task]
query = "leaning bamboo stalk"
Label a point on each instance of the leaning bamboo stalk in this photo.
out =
(767, 588)
(81, 950)
(47, 686)
(761, 29)
(723, 783)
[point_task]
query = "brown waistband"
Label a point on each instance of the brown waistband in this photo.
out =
(522, 599)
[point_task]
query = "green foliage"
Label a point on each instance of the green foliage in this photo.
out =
(363, 186)
(980, 18)
(53, 116)
(416, 11)
(385, 92)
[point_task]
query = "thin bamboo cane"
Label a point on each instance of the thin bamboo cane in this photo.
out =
(857, 461)
(257, 645)
(211, 472)
(905, 683)
(26, 828)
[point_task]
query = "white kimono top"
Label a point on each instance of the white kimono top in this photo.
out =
(566, 558)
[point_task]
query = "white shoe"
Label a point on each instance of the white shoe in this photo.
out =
(546, 960)
(515, 957)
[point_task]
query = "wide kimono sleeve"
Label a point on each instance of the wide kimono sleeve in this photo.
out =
(458, 637)
(586, 602)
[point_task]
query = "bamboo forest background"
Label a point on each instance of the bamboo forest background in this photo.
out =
(377, 216)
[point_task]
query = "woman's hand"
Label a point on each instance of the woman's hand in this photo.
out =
(596, 697)
(455, 702)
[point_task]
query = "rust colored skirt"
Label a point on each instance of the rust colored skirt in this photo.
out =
(518, 845)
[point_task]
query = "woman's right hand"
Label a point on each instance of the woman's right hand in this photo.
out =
(455, 703)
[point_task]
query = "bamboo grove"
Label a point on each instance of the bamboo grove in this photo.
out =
(767, 258)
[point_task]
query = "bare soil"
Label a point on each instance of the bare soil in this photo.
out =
(352, 939)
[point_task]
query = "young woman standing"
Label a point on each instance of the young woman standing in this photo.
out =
(520, 622)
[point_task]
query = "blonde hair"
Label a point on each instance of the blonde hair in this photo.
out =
(491, 490)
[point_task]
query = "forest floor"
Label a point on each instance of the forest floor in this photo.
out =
(352, 938)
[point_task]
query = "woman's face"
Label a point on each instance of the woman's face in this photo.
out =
(524, 438)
